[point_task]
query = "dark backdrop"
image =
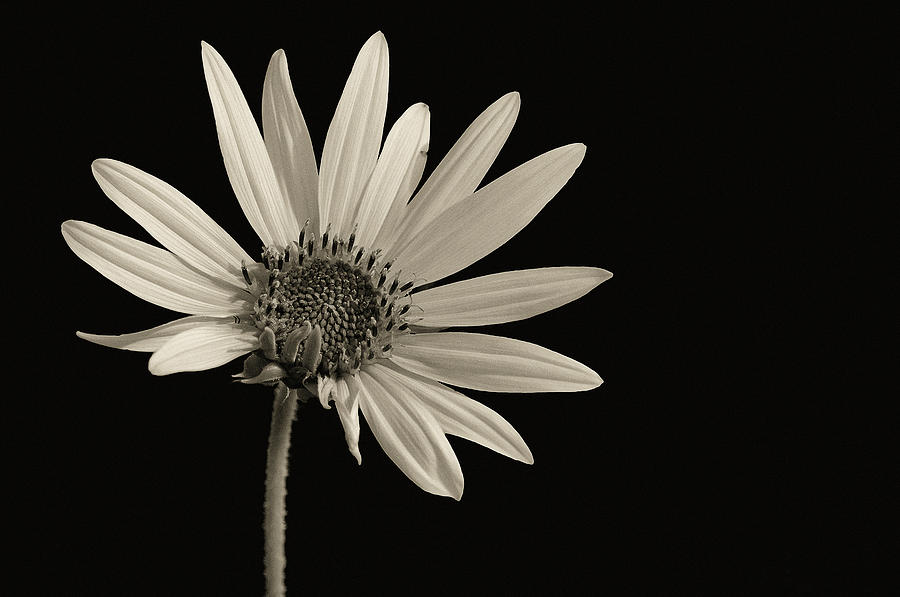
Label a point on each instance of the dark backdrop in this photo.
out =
(668, 479)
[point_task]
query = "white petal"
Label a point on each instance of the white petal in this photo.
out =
(151, 273)
(461, 416)
(246, 159)
(288, 143)
(409, 434)
(354, 136)
(172, 219)
(479, 224)
(346, 400)
(204, 348)
(504, 297)
(388, 188)
(153, 339)
(325, 387)
(491, 363)
(463, 168)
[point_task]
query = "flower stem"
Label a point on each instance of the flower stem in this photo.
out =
(283, 412)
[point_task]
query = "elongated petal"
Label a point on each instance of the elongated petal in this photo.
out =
(288, 143)
(153, 339)
(388, 188)
(508, 296)
(354, 137)
(491, 363)
(151, 273)
(246, 159)
(204, 348)
(461, 416)
(476, 226)
(409, 434)
(346, 400)
(464, 166)
(172, 219)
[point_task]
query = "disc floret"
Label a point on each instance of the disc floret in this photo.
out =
(324, 308)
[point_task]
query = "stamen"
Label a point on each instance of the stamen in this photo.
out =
(303, 232)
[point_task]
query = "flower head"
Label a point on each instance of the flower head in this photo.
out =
(334, 307)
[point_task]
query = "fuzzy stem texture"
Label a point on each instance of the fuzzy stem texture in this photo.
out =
(283, 411)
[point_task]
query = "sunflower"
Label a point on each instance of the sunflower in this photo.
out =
(341, 304)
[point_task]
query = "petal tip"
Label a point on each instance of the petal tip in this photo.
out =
(377, 41)
(99, 163)
(154, 367)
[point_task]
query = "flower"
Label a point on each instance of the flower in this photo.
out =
(335, 306)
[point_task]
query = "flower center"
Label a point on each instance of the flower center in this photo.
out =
(325, 308)
(331, 294)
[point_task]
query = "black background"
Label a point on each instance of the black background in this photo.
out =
(674, 477)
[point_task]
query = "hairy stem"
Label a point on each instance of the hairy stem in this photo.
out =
(283, 411)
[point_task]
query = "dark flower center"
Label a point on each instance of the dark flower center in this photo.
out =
(333, 295)
(326, 307)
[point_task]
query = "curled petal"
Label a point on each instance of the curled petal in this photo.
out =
(346, 399)
(325, 390)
